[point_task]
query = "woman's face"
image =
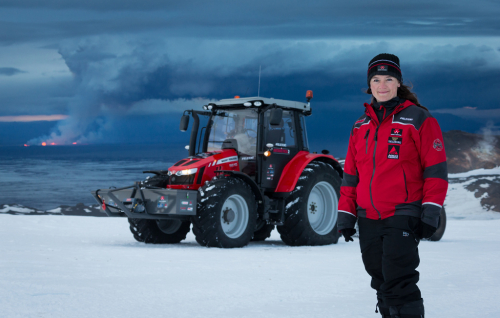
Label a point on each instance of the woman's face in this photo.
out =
(384, 87)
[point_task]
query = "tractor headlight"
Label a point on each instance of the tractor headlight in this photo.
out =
(247, 104)
(257, 104)
(170, 173)
(186, 172)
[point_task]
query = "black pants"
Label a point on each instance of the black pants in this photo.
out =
(389, 249)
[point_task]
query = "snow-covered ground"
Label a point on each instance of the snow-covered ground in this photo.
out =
(71, 266)
(461, 203)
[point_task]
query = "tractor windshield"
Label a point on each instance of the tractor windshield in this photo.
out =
(239, 124)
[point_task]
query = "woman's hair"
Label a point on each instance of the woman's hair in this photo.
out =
(404, 92)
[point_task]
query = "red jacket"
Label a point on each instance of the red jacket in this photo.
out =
(397, 167)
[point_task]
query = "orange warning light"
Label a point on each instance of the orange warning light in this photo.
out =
(44, 144)
(309, 94)
(236, 96)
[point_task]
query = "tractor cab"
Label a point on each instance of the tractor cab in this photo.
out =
(265, 133)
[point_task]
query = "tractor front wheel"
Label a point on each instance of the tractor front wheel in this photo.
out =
(227, 213)
(159, 231)
(311, 210)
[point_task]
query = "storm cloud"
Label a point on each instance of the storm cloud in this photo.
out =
(108, 62)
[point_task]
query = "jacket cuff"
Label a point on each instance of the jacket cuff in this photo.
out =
(430, 214)
(346, 220)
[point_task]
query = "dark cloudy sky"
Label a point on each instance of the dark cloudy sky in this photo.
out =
(122, 71)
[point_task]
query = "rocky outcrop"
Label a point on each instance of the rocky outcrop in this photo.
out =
(466, 151)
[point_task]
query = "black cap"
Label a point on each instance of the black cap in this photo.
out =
(385, 64)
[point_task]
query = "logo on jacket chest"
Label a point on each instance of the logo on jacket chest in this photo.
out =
(396, 132)
(393, 152)
(395, 140)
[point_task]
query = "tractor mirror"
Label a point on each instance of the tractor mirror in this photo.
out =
(184, 123)
(276, 116)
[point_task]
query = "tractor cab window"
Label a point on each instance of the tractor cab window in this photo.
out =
(282, 135)
(239, 125)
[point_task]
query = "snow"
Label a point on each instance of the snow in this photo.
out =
(461, 203)
(292, 203)
(68, 266)
(56, 210)
(477, 172)
(14, 208)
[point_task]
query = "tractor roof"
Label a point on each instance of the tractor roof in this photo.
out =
(238, 102)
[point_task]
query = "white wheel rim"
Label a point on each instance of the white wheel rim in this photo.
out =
(322, 208)
(235, 228)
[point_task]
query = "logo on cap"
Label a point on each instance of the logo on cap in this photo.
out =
(382, 68)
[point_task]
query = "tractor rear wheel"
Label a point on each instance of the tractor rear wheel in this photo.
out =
(227, 213)
(263, 232)
(311, 210)
(441, 227)
(159, 231)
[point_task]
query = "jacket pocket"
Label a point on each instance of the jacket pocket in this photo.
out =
(406, 187)
(366, 140)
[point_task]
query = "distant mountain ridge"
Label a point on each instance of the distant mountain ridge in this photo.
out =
(466, 151)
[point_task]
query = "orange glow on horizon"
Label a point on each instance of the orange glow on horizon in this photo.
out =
(74, 143)
(44, 143)
(53, 144)
(25, 145)
(30, 118)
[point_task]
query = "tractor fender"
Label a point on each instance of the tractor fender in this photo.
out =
(294, 168)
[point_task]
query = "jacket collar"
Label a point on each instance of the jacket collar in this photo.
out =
(370, 112)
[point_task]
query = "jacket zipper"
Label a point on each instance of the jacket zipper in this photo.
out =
(373, 173)
(366, 140)
(374, 152)
(406, 188)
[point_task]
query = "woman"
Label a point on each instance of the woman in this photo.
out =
(395, 183)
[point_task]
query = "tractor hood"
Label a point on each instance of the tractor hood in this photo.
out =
(192, 172)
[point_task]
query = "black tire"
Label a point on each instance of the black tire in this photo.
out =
(215, 225)
(441, 227)
(159, 231)
(298, 229)
(263, 232)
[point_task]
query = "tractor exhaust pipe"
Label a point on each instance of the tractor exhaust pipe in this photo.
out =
(194, 134)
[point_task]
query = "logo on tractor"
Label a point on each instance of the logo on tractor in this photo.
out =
(313, 207)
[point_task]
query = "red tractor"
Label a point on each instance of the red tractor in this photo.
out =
(251, 170)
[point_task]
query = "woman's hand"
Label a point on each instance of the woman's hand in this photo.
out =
(348, 233)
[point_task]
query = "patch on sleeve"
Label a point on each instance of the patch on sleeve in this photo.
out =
(438, 145)
(396, 132)
(393, 152)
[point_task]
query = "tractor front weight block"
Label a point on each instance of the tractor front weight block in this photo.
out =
(147, 202)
